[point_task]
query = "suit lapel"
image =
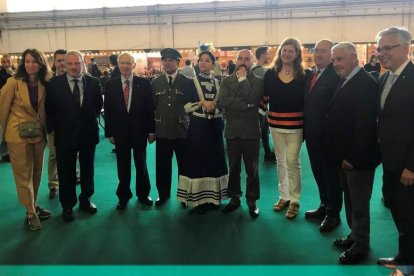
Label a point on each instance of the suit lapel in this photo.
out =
(134, 93)
(399, 83)
(85, 83)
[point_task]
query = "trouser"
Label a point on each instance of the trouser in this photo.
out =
(52, 175)
(357, 186)
(287, 149)
(27, 164)
(264, 128)
(248, 151)
(164, 150)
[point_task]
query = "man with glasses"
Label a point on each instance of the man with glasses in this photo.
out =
(240, 95)
(396, 136)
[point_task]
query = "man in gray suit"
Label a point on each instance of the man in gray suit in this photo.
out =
(240, 95)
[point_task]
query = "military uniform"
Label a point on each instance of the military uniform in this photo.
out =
(171, 124)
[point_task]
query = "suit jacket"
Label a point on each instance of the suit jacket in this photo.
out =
(74, 125)
(15, 108)
(351, 121)
(171, 120)
(396, 123)
(132, 127)
(240, 101)
(317, 103)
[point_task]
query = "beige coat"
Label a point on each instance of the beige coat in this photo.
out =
(15, 108)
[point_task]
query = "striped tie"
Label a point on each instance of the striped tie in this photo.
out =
(126, 93)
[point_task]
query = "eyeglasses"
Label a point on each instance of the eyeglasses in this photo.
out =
(386, 49)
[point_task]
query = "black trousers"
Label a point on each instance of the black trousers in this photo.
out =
(66, 167)
(264, 128)
(326, 176)
(123, 161)
(357, 186)
(164, 150)
(248, 151)
(401, 200)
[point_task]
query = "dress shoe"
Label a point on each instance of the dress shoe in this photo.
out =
(317, 214)
(43, 213)
(350, 257)
(67, 214)
(254, 211)
(230, 207)
(147, 201)
(88, 207)
(6, 159)
(184, 205)
(121, 205)
(161, 201)
(329, 224)
(344, 243)
(53, 192)
(389, 262)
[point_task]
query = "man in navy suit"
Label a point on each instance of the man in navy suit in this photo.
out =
(74, 102)
(396, 136)
(319, 90)
(351, 121)
(129, 119)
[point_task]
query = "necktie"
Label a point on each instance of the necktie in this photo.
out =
(314, 80)
(170, 80)
(76, 92)
(126, 93)
(387, 88)
(340, 83)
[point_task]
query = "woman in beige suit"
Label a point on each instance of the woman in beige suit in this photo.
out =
(22, 110)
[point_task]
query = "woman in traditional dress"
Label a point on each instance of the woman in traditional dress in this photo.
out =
(203, 183)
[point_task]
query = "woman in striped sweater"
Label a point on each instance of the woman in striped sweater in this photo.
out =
(284, 86)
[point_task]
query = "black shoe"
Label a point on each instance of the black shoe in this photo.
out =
(161, 201)
(200, 209)
(43, 213)
(344, 243)
(350, 257)
(113, 150)
(254, 211)
(53, 192)
(318, 214)
(230, 207)
(270, 156)
(121, 205)
(329, 224)
(67, 215)
(88, 207)
(6, 159)
(145, 200)
(184, 205)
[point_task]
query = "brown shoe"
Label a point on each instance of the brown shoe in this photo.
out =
(293, 210)
(280, 205)
(53, 192)
(33, 222)
(43, 213)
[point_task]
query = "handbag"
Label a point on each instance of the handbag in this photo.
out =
(30, 130)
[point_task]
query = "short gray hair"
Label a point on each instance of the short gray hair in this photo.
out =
(402, 33)
(75, 53)
(126, 54)
(349, 47)
(245, 50)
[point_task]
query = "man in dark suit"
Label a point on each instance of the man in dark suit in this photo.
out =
(396, 136)
(319, 90)
(73, 102)
(6, 72)
(129, 118)
(240, 95)
(351, 121)
(171, 120)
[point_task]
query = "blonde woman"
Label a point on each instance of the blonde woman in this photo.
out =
(22, 116)
(284, 86)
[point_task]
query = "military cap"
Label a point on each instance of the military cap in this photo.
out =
(170, 53)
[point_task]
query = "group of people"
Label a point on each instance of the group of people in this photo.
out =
(350, 120)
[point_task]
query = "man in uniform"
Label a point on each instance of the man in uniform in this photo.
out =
(171, 121)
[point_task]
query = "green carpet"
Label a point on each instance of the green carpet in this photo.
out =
(169, 241)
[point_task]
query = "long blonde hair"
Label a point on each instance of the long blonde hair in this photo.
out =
(298, 66)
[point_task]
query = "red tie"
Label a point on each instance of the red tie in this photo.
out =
(126, 93)
(314, 80)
